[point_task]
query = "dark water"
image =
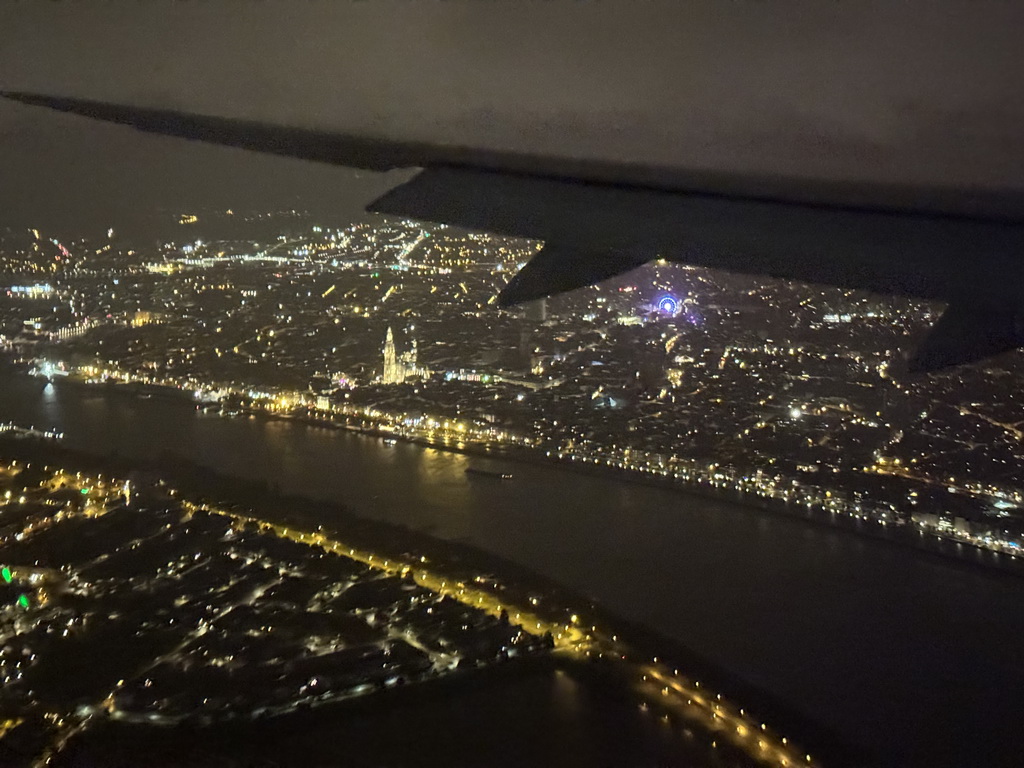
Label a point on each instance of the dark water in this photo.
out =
(535, 719)
(918, 659)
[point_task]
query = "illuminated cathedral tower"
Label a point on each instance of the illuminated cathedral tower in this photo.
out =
(394, 371)
(401, 367)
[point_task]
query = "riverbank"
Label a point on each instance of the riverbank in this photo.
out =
(849, 630)
(634, 651)
(540, 714)
(904, 535)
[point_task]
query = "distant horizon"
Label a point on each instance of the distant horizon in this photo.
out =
(151, 213)
(899, 94)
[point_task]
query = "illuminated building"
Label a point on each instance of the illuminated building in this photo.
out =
(37, 291)
(393, 374)
(398, 368)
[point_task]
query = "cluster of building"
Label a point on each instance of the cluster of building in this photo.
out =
(399, 368)
(169, 612)
(780, 391)
(123, 601)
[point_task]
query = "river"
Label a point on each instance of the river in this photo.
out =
(915, 658)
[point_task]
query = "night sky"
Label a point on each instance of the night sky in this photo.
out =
(918, 92)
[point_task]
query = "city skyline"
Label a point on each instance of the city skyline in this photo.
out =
(853, 444)
(508, 384)
(785, 396)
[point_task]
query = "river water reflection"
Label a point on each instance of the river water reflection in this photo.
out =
(908, 655)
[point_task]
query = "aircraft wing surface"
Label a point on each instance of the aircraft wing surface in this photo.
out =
(599, 219)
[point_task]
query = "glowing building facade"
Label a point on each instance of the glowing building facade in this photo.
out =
(400, 367)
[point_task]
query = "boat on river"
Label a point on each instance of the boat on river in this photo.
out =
(488, 473)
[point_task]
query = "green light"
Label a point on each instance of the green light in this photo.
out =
(23, 601)
(85, 491)
(6, 573)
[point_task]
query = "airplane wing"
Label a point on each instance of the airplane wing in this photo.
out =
(599, 219)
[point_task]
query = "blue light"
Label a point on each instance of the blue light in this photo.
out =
(668, 305)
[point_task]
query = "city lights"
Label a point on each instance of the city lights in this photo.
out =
(437, 621)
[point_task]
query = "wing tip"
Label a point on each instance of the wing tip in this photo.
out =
(970, 329)
(59, 103)
(25, 96)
